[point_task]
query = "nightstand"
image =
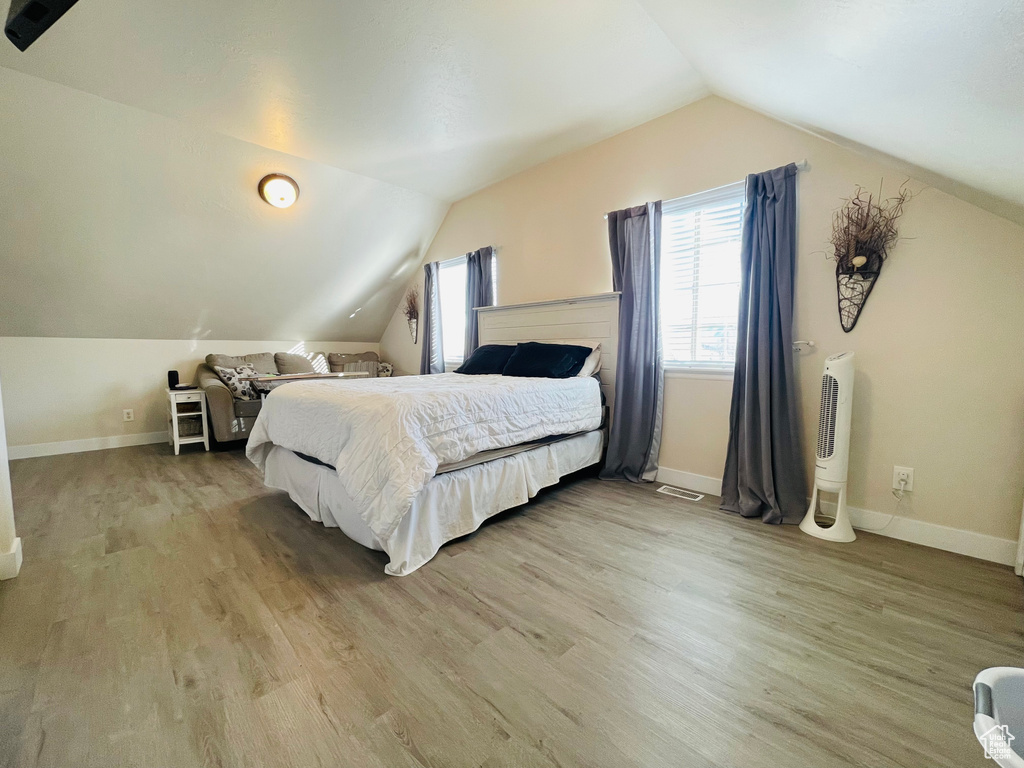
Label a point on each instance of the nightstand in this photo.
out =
(186, 418)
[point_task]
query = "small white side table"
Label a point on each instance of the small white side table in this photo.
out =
(184, 408)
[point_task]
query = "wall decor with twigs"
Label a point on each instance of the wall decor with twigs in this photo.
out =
(864, 230)
(411, 310)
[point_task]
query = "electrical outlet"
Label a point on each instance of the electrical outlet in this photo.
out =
(903, 473)
(129, 414)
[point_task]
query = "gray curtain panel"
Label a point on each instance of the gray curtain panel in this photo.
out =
(432, 353)
(479, 292)
(764, 469)
(634, 236)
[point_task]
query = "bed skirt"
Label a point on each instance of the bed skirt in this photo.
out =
(449, 506)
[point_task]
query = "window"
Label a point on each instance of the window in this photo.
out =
(452, 285)
(700, 278)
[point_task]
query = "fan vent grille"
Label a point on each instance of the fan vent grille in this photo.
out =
(827, 423)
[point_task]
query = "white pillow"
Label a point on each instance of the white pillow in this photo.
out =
(592, 364)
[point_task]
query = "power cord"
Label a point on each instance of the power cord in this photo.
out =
(898, 494)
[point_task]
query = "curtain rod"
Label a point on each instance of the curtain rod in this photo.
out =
(803, 165)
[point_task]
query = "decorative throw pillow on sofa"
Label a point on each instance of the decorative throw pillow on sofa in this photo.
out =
(319, 362)
(370, 366)
(337, 360)
(240, 390)
(263, 362)
(288, 362)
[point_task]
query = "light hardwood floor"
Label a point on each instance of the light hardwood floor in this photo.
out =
(173, 612)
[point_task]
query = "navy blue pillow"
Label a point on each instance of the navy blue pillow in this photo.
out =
(490, 358)
(549, 361)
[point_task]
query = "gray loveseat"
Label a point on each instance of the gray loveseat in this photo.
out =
(232, 419)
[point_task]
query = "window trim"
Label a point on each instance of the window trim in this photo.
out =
(686, 371)
(692, 368)
(450, 364)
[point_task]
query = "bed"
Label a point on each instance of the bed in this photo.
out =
(404, 465)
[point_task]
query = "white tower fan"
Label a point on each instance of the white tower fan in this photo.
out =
(832, 459)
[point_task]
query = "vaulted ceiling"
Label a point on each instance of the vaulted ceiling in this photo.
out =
(438, 96)
(134, 133)
(938, 84)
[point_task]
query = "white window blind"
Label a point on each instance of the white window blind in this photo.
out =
(700, 278)
(452, 284)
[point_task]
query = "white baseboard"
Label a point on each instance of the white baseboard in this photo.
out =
(80, 446)
(10, 561)
(690, 481)
(979, 545)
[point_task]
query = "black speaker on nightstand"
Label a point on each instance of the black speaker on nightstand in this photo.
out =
(172, 379)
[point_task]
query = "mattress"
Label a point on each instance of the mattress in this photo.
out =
(388, 437)
(450, 505)
(478, 458)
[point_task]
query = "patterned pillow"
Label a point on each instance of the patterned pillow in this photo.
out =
(240, 390)
(384, 370)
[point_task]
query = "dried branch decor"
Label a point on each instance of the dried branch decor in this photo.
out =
(411, 310)
(863, 232)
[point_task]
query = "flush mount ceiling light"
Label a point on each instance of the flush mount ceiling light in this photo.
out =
(279, 190)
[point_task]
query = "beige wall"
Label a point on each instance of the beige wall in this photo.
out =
(59, 390)
(940, 375)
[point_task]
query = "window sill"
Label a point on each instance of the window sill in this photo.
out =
(712, 374)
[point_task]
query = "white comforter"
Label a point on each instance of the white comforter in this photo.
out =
(387, 437)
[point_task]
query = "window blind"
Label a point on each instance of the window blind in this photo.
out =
(452, 282)
(700, 277)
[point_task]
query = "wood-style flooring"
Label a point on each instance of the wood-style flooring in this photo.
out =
(173, 612)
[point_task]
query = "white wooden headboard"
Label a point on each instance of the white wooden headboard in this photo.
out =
(586, 320)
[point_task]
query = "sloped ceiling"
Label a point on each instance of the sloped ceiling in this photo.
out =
(118, 223)
(134, 134)
(938, 84)
(438, 96)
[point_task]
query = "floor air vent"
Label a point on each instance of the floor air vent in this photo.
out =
(680, 493)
